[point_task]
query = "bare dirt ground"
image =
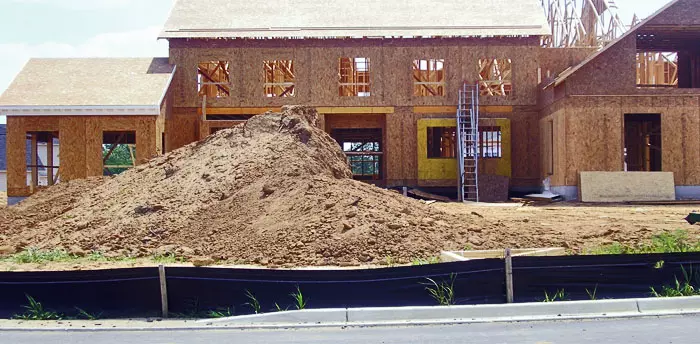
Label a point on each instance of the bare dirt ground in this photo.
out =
(277, 192)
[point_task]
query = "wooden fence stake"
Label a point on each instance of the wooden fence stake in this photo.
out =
(509, 276)
(163, 291)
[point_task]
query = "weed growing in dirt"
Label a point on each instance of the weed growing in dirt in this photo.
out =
(390, 262)
(35, 255)
(442, 292)
(167, 258)
(34, 310)
(299, 301)
(253, 303)
(667, 242)
(559, 295)
(425, 261)
(688, 286)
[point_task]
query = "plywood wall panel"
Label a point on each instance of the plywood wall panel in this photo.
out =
(72, 145)
(16, 156)
(181, 129)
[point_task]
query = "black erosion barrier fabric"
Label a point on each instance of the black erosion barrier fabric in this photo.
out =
(196, 291)
(608, 276)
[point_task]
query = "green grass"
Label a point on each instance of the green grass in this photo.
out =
(667, 242)
(253, 302)
(299, 300)
(689, 285)
(35, 255)
(425, 261)
(559, 295)
(221, 313)
(442, 292)
(34, 310)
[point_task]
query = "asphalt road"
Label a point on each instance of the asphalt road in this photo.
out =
(676, 329)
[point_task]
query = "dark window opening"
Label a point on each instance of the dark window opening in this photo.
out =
(642, 142)
(363, 147)
(441, 142)
(118, 151)
(668, 58)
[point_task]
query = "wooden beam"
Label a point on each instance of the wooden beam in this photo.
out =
(238, 111)
(356, 110)
(453, 109)
(49, 159)
(34, 162)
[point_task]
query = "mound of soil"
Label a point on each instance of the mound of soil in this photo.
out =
(274, 191)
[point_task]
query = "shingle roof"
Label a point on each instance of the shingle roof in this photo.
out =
(90, 82)
(356, 18)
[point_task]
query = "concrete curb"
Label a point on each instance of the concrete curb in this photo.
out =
(414, 316)
(471, 313)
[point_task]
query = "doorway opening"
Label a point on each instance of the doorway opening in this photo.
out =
(363, 148)
(642, 150)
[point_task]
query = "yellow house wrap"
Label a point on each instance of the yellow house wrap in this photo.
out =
(446, 168)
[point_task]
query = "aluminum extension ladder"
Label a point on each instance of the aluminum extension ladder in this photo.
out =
(468, 143)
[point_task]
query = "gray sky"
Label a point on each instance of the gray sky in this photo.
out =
(114, 28)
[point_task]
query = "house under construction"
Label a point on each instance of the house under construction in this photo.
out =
(489, 95)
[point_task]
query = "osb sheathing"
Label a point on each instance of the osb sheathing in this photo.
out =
(588, 135)
(80, 143)
(316, 64)
(553, 61)
(685, 12)
(181, 128)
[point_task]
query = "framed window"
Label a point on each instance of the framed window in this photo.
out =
(118, 151)
(442, 142)
(354, 77)
(657, 69)
(495, 77)
(279, 78)
(429, 78)
(490, 142)
(213, 79)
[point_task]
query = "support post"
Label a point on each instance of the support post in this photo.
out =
(509, 276)
(49, 159)
(404, 191)
(34, 160)
(163, 290)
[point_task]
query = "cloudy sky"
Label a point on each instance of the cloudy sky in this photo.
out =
(113, 28)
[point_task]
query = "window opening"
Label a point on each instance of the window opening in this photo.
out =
(118, 151)
(354, 77)
(213, 79)
(279, 78)
(429, 77)
(495, 77)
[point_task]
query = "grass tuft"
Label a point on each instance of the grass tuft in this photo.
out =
(426, 261)
(34, 310)
(253, 303)
(667, 242)
(689, 285)
(299, 300)
(442, 292)
(559, 295)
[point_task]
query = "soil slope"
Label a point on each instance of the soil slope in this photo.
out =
(274, 191)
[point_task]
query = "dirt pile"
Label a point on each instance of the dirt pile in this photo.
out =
(274, 191)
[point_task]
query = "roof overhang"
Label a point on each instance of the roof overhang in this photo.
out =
(87, 110)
